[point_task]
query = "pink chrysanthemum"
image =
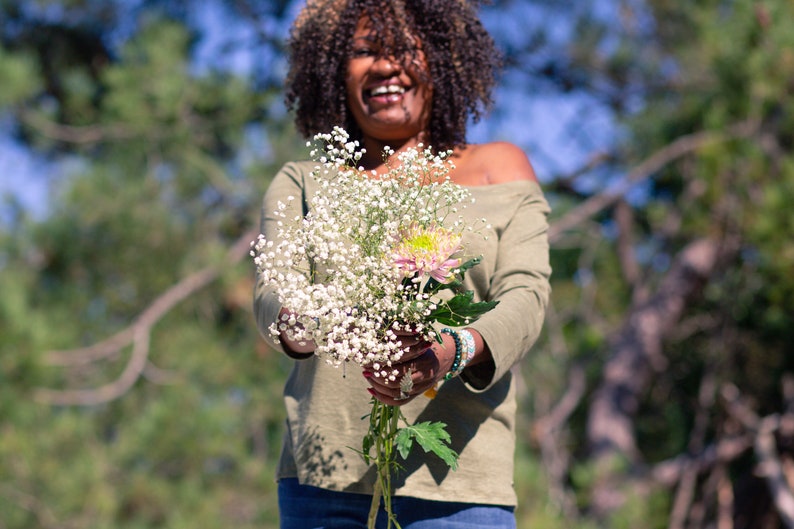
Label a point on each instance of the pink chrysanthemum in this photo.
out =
(428, 251)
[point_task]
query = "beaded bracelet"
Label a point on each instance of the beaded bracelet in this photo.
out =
(453, 371)
(467, 338)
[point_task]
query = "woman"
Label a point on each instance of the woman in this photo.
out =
(398, 74)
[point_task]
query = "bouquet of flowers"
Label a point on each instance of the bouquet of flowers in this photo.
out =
(368, 260)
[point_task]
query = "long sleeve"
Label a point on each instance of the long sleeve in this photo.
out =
(290, 181)
(520, 282)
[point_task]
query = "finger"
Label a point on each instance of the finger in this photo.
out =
(387, 399)
(398, 388)
(394, 397)
(381, 385)
(411, 385)
(418, 342)
(411, 355)
(425, 365)
(418, 348)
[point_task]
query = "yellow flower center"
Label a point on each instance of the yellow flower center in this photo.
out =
(423, 241)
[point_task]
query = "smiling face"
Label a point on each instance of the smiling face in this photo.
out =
(388, 96)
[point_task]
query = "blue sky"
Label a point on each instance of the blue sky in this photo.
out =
(23, 175)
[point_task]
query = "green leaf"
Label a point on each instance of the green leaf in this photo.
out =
(404, 442)
(432, 437)
(366, 445)
(461, 310)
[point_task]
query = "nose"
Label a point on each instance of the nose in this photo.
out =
(387, 65)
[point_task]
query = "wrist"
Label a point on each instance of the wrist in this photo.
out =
(465, 348)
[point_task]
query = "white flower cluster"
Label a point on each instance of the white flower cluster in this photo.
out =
(334, 268)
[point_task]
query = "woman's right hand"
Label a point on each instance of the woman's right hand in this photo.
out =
(298, 349)
(425, 363)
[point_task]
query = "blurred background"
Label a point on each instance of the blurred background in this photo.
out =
(136, 140)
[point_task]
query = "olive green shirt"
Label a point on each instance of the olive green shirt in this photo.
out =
(325, 405)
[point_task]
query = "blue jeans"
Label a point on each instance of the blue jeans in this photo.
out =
(306, 507)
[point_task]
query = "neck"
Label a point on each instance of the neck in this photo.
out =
(373, 157)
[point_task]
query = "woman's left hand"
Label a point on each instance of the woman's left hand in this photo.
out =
(419, 369)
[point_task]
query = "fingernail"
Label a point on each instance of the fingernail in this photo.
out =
(371, 391)
(367, 374)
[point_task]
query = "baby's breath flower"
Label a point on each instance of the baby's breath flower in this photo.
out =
(356, 266)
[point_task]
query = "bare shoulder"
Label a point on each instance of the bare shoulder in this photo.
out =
(493, 163)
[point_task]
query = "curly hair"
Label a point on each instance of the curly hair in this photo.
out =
(461, 57)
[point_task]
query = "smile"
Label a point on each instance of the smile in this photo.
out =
(387, 90)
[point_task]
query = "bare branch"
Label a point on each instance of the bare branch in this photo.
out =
(638, 346)
(738, 409)
(92, 353)
(565, 183)
(725, 499)
(769, 464)
(73, 134)
(688, 483)
(727, 449)
(772, 469)
(156, 375)
(624, 217)
(557, 417)
(787, 387)
(138, 333)
(146, 319)
(108, 392)
(680, 147)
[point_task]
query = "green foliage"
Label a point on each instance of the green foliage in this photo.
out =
(461, 309)
(19, 77)
(159, 178)
(431, 436)
(642, 510)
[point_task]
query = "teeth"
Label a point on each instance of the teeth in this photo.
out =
(388, 89)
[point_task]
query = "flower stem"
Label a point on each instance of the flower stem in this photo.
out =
(384, 425)
(373, 507)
